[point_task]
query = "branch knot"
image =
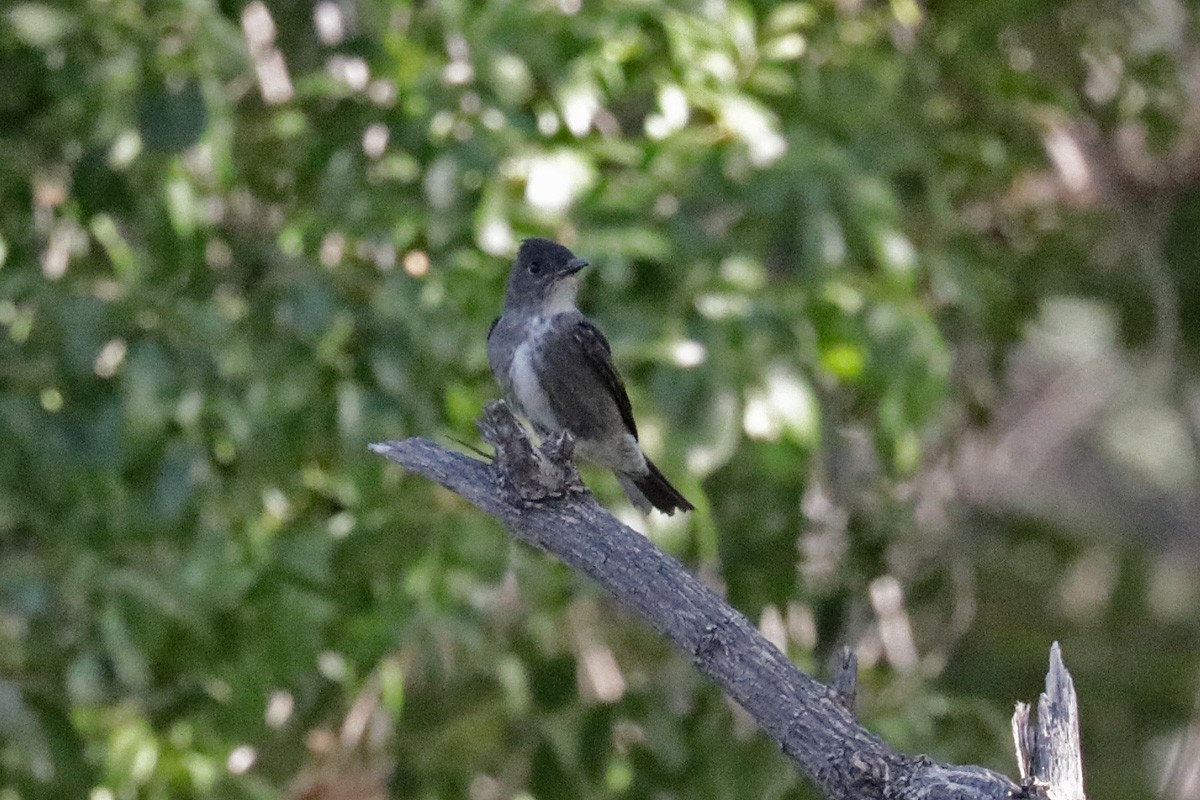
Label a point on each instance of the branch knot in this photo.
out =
(531, 473)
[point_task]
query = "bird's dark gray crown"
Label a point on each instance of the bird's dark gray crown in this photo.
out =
(543, 255)
(540, 264)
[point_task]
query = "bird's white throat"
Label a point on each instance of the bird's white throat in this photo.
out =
(561, 297)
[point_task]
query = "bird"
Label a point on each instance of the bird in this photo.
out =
(556, 367)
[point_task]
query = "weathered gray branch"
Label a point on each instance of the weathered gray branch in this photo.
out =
(1049, 756)
(538, 496)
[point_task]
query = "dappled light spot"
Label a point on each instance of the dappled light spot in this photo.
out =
(793, 403)
(1180, 756)
(104, 229)
(689, 353)
(784, 404)
(385, 256)
(845, 297)
(1020, 58)
(107, 290)
(49, 190)
(666, 206)
(723, 434)
(110, 358)
(125, 148)
(496, 236)
(375, 139)
(416, 263)
(673, 113)
(771, 626)
(895, 251)
(511, 78)
(723, 306)
(547, 122)
(757, 419)
(52, 399)
(743, 271)
(440, 182)
(352, 71)
(600, 671)
(1087, 588)
(280, 706)
(333, 666)
(492, 118)
(258, 27)
(656, 127)
(341, 524)
(329, 22)
(276, 505)
(470, 103)
(579, 104)
(1066, 153)
(189, 408)
(241, 759)
(459, 71)
(1105, 71)
(333, 248)
(556, 179)
(441, 124)
(907, 12)
(674, 105)
(832, 238)
(1073, 329)
(824, 544)
(801, 625)
(218, 254)
(383, 92)
(484, 787)
(1145, 440)
(38, 24)
(895, 628)
(57, 254)
(1172, 589)
(786, 48)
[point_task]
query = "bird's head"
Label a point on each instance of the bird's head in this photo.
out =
(545, 277)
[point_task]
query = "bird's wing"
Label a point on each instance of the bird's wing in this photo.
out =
(590, 397)
(599, 355)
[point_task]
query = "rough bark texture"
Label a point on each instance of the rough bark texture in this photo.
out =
(1048, 751)
(538, 496)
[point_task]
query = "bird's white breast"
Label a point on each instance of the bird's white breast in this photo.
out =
(526, 387)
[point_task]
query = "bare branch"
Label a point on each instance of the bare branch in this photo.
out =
(536, 493)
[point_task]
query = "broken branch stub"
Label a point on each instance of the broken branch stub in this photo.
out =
(1049, 752)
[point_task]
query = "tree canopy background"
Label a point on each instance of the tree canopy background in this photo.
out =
(906, 295)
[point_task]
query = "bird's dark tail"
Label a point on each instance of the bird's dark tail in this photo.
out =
(653, 489)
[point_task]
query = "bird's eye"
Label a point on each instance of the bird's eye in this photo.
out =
(535, 267)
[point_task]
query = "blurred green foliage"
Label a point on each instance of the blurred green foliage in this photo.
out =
(240, 242)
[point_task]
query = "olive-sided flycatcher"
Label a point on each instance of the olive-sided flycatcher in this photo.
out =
(556, 366)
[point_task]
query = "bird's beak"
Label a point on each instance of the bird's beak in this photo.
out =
(576, 264)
